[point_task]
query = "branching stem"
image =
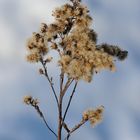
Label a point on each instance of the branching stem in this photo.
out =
(69, 102)
(50, 82)
(75, 128)
(48, 126)
(42, 116)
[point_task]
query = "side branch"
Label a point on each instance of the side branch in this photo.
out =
(61, 81)
(75, 128)
(70, 99)
(34, 103)
(48, 125)
(68, 83)
(50, 82)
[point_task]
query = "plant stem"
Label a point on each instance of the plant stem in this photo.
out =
(42, 116)
(62, 93)
(60, 105)
(50, 82)
(68, 83)
(60, 118)
(70, 101)
(48, 126)
(75, 128)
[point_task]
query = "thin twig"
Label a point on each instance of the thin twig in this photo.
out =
(62, 93)
(70, 99)
(61, 90)
(75, 128)
(65, 126)
(61, 80)
(42, 116)
(50, 82)
(48, 126)
(68, 83)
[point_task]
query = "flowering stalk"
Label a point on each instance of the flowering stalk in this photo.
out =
(34, 103)
(69, 102)
(80, 57)
(75, 128)
(50, 81)
(62, 93)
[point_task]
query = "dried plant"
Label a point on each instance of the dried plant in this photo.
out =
(79, 58)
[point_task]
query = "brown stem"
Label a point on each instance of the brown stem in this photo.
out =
(60, 105)
(43, 118)
(75, 128)
(50, 82)
(60, 114)
(62, 93)
(59, 119)
(68, 83)
(66, 127)
(61, 80)
(48, 126)
(69, 102)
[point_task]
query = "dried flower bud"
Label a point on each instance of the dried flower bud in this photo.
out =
(61, 44)
(41, 71)
(27, 99)
(37, 36)
(54, 46)
(100, 109)
(113, 50)
(49, 59)
(33, 58)
(35, 102)
(94, 116)
(75, 1)
(68, 52)
(122, 55)
(85, 116)
(93, 36)
(30, 101)
(43, 28)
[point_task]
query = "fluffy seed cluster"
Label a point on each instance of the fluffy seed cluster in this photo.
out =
(37, 47)
(72, 36)
(94, 116)
(113, 50)
(30, 101)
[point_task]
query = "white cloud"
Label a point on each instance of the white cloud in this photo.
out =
(7, 40)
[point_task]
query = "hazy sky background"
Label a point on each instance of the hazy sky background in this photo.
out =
(116, 22)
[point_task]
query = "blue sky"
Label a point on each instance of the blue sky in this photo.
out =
(116, 22)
